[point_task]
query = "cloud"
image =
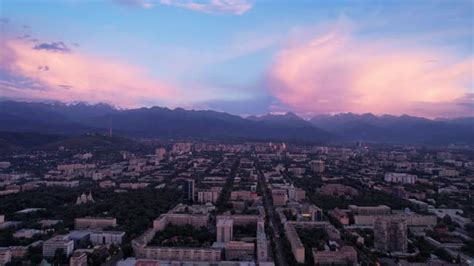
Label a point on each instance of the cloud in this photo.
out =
(43, 68)
(53, 46)
(139, 3)
(31, 73)
(26, 36)
(66, 87)
(235, 7)
(335, 72)
(462, 106)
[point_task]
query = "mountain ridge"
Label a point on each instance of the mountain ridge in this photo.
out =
(146, 122)
(80, 118)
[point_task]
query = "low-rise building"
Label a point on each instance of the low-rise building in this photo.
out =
(106, 237)
(317, 166)
(341, 216)
(279, 197)
(210, 195)
(26, 233)
(402, 178)
(295, 242)
(370, 210)
(346, 255)
(4, 165)
(5, 255)
(224, 227)
(58, 242)
(338, 190)
(390, 235)
(94, 222)
(78, 259)
(180, 254)
(238, 250)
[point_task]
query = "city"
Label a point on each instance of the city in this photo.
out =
(249, 203)
(236, 132)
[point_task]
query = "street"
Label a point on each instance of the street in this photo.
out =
(273, 223)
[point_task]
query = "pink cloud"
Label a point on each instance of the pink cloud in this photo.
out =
(236, 7)
(70, 76)
(337, 73)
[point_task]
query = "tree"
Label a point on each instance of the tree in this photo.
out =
(447, 220)
(113, 249)
(34, 255)
(60, 257)
(127, 250)
(469, 247)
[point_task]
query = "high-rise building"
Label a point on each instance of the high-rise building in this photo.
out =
(224, 229)
(189, 189)
(390, 235)
(160, 153)
(317, 166)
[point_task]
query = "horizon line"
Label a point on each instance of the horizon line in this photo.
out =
(244, 116)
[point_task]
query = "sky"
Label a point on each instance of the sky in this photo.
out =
(246, 57)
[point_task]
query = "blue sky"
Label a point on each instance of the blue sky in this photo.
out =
(230, 55)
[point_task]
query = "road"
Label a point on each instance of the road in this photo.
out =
(267, 203)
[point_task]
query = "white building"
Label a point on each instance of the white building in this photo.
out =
(400, 178)
(58, 242)
(106, 237)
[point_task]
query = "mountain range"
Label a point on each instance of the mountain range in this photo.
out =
(397, 129)
(80, 118)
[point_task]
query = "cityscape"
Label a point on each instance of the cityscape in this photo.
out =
(236, 203)
(236, 133)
